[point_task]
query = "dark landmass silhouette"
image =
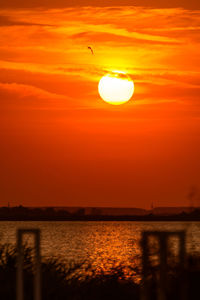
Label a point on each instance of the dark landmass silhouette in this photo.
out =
(21, 213)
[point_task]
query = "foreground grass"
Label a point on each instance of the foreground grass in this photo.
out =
(81, 282)
(61, 281)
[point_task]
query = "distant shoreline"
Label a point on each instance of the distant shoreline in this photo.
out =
(181, 218)
(21, 213)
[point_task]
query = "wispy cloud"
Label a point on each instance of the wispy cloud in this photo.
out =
(46, 50)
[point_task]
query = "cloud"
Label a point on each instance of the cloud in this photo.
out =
(123, 37)
(192, 4)
(20, 96)
(8, 21)
(26, 91)
(159, 48)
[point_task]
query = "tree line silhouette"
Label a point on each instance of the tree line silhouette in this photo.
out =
(50, 213)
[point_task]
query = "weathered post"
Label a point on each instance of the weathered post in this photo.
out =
(162, 237)
(20, 259)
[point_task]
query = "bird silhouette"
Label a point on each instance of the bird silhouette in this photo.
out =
(90, 48)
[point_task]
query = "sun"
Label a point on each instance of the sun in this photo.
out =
(116, 88)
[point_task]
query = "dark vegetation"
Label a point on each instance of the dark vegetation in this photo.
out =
(80, 282)
(21, 213)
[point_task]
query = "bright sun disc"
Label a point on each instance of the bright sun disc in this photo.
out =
(116, 88)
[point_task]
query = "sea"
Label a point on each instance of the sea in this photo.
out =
(100, 243)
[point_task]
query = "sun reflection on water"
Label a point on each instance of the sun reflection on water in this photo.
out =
(106, 246)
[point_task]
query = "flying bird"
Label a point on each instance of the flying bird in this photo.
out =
(90, 48)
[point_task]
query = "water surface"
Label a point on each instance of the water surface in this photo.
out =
(98, 242)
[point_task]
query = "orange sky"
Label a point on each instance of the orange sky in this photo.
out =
(61, 145)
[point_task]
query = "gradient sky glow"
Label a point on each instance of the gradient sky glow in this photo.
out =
(61, 145)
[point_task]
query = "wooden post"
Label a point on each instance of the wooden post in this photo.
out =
(162, 237)
(20, 259)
